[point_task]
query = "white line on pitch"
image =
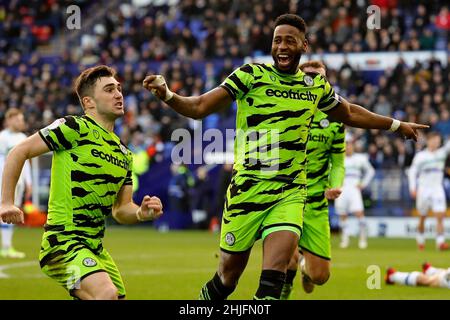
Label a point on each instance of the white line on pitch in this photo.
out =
(14, 265)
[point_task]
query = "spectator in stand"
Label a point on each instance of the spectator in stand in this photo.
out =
(202, 193)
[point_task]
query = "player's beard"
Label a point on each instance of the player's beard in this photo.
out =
(293, 66)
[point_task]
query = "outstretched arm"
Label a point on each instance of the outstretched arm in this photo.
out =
(359, 117)
(412, 176)
(195, 107)
(29, 148)
(369, 173)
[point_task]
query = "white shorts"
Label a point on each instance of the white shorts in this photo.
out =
(431, 199)
(350, 201)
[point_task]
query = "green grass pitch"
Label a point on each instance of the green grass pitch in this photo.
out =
(174, 266)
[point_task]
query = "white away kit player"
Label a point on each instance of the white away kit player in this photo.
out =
(10, 137)
(358, 174)
(426, 177)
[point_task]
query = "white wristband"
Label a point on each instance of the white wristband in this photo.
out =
(159, 80)
(395, 125)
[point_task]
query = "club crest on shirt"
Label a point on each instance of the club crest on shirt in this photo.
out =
(324, 123)
(123, 149)
(89, 262)
(96, 134)
(308, 80)
(272, 78)
(230, 239)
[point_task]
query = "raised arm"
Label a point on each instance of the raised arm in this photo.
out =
(369, 173)
(29, 148)
(447, 146)
(359, 117)
(195, 107)
(412, 175)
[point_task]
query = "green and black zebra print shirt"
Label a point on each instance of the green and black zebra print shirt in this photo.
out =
(90, 165)
(326, 154)
(274, 114)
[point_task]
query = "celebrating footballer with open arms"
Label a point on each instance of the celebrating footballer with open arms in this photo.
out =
(198, 107)
(266, 195)
(287, 41)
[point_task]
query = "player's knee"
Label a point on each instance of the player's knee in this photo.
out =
(320, 277)
(109, 292)
(293, 264)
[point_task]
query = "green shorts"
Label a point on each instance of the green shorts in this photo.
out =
(316, 230)
(255, 208)
(68, 261)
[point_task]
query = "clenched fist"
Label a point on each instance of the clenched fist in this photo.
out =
(11, 214)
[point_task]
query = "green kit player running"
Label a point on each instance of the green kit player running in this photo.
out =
(325, 175)
(91, 177)
(267, 194)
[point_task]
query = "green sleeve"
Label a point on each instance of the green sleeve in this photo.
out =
(239, 83)
(330, 98)
(337, 171)
(62, 134)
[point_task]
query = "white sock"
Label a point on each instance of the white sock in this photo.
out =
(362, 229)
(405, 278)
(7, 234)
(440, 239)
(420, 238)
(344, 227)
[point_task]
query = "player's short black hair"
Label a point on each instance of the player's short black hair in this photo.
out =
(292, 20)
(84, 84)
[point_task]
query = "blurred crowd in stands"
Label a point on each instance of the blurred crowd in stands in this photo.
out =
(195, 44)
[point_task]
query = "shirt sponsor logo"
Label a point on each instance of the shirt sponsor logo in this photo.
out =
(111, 159)
(318, 138)
(291, 94)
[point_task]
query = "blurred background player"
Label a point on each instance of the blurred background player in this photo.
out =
(426, 176)
(429, 277)
(358, 174)
(325, 175)
(9, 137)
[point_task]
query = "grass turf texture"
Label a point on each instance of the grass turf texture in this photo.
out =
(175, 265)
